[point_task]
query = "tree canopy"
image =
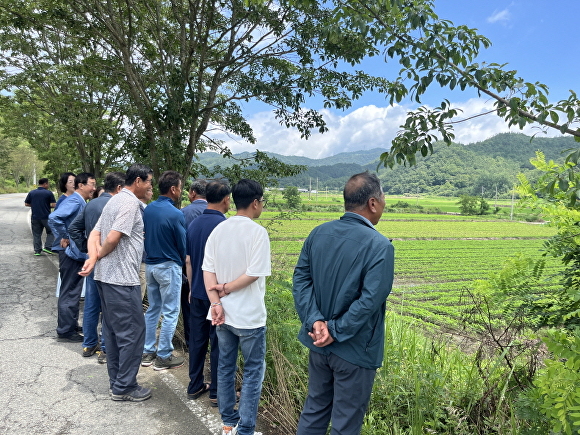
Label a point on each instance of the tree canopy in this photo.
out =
(153, 80)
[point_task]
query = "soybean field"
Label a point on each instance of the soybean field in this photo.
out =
(438, 257)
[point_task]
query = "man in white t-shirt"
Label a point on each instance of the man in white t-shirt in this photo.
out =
(235, 265)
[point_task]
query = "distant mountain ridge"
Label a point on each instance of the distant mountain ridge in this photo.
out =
(363, 157)
(451, 170)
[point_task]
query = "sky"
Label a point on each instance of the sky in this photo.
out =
(537, 38)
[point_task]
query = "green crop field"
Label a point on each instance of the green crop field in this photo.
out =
(438, 257)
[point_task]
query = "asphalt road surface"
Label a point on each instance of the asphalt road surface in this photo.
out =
(46, 386)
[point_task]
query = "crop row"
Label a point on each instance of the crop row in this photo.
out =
(433, 273)
(300, 229)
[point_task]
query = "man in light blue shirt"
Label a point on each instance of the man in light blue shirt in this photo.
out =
(70, 258)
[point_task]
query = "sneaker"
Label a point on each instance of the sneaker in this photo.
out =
(90, 351)
(171, 362)
(102, 358)
(137, 395)
(147, 359)
(37, 254)
(230, 430)
(48, 251)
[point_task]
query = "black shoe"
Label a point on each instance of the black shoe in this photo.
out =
(102, 358)
(90, 351)
(75, 337)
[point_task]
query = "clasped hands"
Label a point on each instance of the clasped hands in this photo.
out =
(320, 334)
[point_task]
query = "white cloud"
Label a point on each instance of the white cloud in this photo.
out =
(503, 15)
(366, 128)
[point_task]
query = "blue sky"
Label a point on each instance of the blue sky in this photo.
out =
(537, 38)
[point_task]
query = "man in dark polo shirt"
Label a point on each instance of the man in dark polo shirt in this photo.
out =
(218, 198)
(41, 200)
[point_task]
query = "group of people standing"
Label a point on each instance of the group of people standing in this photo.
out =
(343, 277)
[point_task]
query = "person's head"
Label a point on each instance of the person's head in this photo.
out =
(139, 179)
(43, 182)
(98, 191)
(364, 195)
(66, 183)
(170, 185)
(148, 195)
(197, 190)
(114, 182)
(217, 194)
(248, 196)
(85, 184)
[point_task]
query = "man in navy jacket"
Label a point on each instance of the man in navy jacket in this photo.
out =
(341, 282)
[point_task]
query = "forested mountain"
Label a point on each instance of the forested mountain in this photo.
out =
(479, 167)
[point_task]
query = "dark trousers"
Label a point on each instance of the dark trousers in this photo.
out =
(124, 329)
(185, 305)
(337, 391)
(71, 287)
(37, 225)
(202, 333)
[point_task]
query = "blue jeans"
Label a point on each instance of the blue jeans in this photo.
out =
(163, 293)
(91, 315)
(252, 343)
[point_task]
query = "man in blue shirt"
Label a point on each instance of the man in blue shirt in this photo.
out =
(197, 199)
(70, 258)
(218, 198)
(79, 231)
(198, 205)
(165, 247)
(40, 200)
(341, 282)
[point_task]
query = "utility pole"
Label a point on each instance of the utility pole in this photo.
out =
(512, 212)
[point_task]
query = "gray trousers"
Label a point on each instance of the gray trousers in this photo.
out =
(71, 287)
(37, 225)
(338, 391)
(124, 329)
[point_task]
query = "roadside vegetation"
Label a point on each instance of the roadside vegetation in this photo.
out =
(464, 351)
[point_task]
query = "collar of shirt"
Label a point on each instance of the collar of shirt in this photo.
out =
(358, 216)
(165, 198)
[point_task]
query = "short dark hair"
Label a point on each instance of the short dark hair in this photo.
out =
(114, 179)
(137, 170)
(216, 191)
(245, 192)
(168, 179)
(42, 181)
(83, 178)
(63, 180)
(359, 189)
(199, 186)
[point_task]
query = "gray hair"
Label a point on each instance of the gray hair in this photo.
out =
(359, 189)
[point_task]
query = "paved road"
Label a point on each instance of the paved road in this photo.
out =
(47, 387)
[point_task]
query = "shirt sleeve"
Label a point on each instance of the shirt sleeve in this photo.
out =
(57, 219)
(208, 255)
(260, 261)
(303, 290)
(125, 219)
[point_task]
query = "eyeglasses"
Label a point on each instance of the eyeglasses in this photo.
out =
(263, 201)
